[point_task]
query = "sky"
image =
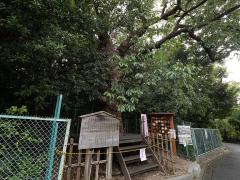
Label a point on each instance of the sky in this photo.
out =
(232, 64)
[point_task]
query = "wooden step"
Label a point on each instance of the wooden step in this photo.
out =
(126, 148)
(126, 141)
(134, 158)
(129, 136)
(143, 168)
(128, 156)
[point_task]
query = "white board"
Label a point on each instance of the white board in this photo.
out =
(184, 135)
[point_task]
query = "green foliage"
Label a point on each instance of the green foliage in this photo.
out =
(168, 82)
(235, 115)
(47, 49)
(162, 54)
(23, 168)
(230, 126)
(186, 152)
(132, 74)
(16, 138)
(14, 110)
(227, 129)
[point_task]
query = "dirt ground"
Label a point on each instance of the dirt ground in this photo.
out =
(180, 167)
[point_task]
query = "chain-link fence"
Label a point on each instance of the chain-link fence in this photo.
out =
(28, 147)
(186, 152)
(205, 140)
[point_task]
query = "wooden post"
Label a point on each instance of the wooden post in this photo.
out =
(90, 168)
(69, 168)
(166, 144)
(97, 165)
(153, 144)
(79, 165)
(109, 163)
(162, 148)
(173, 141)
(87, 164)
(158, 147)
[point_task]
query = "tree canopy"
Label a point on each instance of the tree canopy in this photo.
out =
(134, 55)
(48, 49)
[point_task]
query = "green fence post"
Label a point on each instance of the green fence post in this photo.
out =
(213, 145)
(53, 138)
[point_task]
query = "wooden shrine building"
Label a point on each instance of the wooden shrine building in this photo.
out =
(100, 140)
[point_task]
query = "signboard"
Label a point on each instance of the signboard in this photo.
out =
(184, 135)
(99, 130)
(172, 133)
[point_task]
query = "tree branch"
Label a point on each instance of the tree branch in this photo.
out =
(127, 43)
(219, 17)
(201, 42)
(164, 8)
(177, 30)
(185, 13)
(169, 13)
(171, 35)
(195, 7)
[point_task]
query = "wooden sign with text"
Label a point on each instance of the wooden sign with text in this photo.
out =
(99, 130)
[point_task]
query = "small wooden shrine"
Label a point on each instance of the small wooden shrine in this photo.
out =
(99, 140)
(92, 155)
(162, 124)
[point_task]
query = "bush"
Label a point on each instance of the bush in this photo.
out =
(16, 150)
(230, 126)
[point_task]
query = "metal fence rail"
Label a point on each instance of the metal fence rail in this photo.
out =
(26, 147)
(205, 140)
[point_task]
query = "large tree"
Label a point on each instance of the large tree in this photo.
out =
(122, 24)
(132, 31)
(67, 46)
(46, 49)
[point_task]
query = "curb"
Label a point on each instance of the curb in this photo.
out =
(196, 169)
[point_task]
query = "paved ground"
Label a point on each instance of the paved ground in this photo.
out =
(226, 167)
